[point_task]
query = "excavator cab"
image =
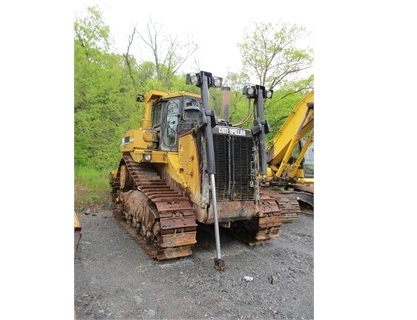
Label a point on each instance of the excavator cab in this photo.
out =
(308, 163)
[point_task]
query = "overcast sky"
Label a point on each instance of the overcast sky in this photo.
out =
(213, 23)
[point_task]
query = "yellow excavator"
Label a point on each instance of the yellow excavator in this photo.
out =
(291, 153)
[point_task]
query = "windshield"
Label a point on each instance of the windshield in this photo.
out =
(309, 162)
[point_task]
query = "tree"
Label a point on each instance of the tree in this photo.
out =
(91, 32)
(168, 51)
(91, 41)
(130, 60)
(269, 53)
(103, 94)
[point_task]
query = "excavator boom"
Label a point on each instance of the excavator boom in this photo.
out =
(298, 125)
(287, 156)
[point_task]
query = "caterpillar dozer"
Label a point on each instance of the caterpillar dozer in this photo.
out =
(183, 167)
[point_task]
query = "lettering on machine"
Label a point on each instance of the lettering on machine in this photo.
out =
(232, 131)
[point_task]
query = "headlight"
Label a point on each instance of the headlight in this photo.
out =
(193, 78)
(249, 91)
(147, 157)
(269, 94)
(217, 82)
(196, 79)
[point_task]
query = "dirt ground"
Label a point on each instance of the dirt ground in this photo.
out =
(115, 279)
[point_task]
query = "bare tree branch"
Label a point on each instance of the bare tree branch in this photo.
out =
(126, 56)
(168, 51)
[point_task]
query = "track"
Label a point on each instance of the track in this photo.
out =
(259, 229)
(289, 205)
(160, 219)
(287, 201)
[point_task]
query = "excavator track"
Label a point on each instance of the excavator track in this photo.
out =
(262, 228)
(160, 219)
(287, 202)
(289, 205)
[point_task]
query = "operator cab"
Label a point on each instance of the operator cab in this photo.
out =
(174, 116)
(308, 163)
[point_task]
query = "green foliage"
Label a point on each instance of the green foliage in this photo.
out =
(270, 53)
(91, 33)
(180, 84)
(241, 113)
(104, 95)
(145, 73)
(279, 108)
(91, 187)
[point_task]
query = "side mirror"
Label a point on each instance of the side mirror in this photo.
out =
(140, 98)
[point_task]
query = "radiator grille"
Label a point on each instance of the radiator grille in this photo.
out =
(234, 161)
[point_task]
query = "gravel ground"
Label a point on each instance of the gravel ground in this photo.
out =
(115, 279)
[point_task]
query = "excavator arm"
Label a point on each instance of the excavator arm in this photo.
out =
(298, 125)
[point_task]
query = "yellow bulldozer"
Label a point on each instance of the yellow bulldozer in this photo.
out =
(183, 167)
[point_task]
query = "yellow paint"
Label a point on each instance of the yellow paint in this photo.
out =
(299, 124)
(189, 160)
(157, 156)
(77, 225)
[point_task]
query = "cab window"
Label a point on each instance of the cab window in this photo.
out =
(156, 114)
(171, 124)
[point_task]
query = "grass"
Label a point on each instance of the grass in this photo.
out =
(91, 188)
